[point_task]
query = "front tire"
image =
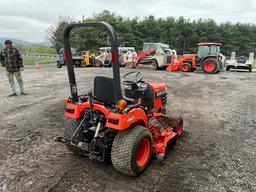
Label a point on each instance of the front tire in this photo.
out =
(186, 67)
(132, 150)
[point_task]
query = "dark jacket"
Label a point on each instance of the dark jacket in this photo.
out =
(1, 57)
(11, 59)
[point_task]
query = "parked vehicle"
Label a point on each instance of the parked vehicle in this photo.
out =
(208, 58)
(154, 55)
(78, 60)
(240, 63)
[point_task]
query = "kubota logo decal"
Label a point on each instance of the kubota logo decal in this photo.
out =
(130, 118)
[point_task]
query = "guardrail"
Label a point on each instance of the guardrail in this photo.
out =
(40, 55)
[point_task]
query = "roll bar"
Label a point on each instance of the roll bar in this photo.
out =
(115, 57)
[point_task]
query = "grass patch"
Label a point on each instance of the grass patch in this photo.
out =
(41, 60)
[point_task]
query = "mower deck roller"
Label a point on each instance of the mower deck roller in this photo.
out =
(105, 125)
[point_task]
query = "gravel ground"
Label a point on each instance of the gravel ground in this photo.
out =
(216, 152)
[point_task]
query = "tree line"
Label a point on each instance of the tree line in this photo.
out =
(180, 33)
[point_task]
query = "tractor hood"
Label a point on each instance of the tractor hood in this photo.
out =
(189, 56)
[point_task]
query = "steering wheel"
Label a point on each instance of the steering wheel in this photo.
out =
(132, 78)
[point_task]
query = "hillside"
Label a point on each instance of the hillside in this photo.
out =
(25, 43)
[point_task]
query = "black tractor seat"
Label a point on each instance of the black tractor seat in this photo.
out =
(104, 90)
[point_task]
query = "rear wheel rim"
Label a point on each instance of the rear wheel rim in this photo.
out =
(209, 66)
(142, 153)
(185, 68)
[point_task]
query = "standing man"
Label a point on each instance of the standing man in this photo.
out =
(12, 62)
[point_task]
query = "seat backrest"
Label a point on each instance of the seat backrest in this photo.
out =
(104, 90)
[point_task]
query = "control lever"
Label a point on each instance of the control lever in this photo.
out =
(90, 93)
(86, 97)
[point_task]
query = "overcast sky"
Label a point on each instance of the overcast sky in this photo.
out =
(29, 19)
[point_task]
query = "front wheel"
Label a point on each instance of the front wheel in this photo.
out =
(186, 67)
(132, 150)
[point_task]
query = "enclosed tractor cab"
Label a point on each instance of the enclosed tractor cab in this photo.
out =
(105, 125)
(208, 58)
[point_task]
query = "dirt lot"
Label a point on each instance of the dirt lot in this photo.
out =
(216, 153)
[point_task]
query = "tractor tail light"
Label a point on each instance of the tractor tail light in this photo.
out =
(66, 100)
(70, 110)
(121, 104)
(113, 121)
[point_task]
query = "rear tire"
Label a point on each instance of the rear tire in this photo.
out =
(186, 67)
(210, 66)
(70, 128)
(132, 150)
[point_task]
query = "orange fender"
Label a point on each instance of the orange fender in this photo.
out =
(77, 109)
(123, 121)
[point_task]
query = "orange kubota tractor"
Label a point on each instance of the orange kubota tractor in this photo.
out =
(208, 58)
(104, 124)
